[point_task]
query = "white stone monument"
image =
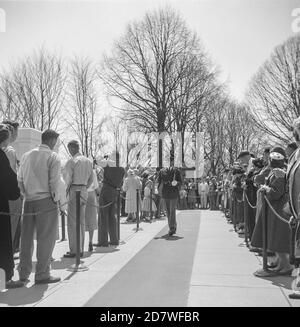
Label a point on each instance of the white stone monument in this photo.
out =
(28, 139)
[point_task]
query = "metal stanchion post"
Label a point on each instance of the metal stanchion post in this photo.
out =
(137, 211)
(264, 272)
(233, 210)
(151, 215)
(78, 266)
(63, 226)
(118, 212)
(246, 212)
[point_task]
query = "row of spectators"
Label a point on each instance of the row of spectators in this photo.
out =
(264, 185)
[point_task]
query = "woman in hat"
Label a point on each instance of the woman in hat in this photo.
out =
(131, 184)
(147, 207)
(9, 190)
(278, 232)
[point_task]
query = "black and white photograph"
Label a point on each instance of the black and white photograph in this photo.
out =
(150, 157)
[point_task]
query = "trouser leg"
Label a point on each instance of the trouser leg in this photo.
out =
(159, 204)
(203, 202)
(82, 219)
(173, 223)
(112, 225)
(17, 238)
(171, 213)
(46, 228)
(27, 233)
(15, 208)
(103, 224)
(6, 254)
(72, 222)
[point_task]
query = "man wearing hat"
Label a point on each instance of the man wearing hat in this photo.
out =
(78, 177)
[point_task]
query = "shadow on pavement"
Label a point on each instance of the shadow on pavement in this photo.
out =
(169, 238)
(106, 250)
(24, 295)
(65, 263)
(281, 281)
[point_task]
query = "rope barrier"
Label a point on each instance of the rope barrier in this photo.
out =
(250, 205)
(34, 213)
(96, 206)
(274, 211)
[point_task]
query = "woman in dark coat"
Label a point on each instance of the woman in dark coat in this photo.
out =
(278, 232)
(8, 191)
(237, 193)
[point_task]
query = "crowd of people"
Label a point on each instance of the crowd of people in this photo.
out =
(38, 187)
(255, 186)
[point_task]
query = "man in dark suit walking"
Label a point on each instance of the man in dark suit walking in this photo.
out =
(171, 179)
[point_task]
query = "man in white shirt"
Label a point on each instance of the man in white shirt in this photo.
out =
(203, 190)
(78, 177)
(15, 207)
(38, 178)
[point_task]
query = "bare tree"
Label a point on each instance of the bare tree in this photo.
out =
(33, 91)
(241, 132)
(146, 66)
(81, 118)
(214, 125)
(189, 97)
(274, 93)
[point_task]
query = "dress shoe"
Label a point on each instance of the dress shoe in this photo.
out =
(14, 284)
(24, 280)
(49, 280)
(72, 255)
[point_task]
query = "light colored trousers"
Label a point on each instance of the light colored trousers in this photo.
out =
(45, 224)
(72, 217)
(203, 196)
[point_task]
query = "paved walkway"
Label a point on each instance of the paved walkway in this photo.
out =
(223, 271)
(159, 275)
(76, 289)
(205, 264)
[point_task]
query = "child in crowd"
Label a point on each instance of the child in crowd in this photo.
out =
(148, 205)
(182, 199)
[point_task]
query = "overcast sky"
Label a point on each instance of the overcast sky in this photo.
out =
(239, 34)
